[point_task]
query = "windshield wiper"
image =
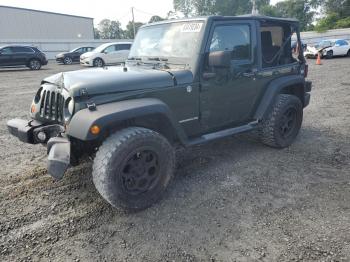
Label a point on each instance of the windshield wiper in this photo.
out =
(160, 59)
(134, 58)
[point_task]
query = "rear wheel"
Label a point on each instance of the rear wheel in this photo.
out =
(98, 62)
(283, 123)
(68, 60)
(133, 167)
(34, 64)
(348, 54)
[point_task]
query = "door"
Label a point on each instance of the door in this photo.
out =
(120, 54)
(21, 55)
(342, 47)
(77, 53)
(228, 95)
(108, 54)
(123, 50)
(6, 56)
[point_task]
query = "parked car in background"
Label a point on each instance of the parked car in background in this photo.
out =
(294, 45)
(68, 58)
(28, 56)
(106, 54)
(329, 48)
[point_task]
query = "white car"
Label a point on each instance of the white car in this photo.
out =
(328, 48)
(106, 54)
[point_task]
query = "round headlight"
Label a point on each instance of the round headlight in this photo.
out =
(38, 95)
(71, 107)
(68, 109)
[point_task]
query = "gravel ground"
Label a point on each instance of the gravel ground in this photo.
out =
(231, 200)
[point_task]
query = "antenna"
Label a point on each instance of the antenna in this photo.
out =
(255, 10)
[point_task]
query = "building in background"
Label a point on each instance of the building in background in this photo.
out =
(27, 24)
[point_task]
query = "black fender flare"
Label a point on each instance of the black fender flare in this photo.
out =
(109, 115)
(274, 88)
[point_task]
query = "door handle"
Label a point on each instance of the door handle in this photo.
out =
(208, 75)
(249, 74)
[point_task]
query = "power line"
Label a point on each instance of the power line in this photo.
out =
(147, 13)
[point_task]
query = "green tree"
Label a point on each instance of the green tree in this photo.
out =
(184, 6)
(109, 29)
(96, 33)
(155, 18)
(216, 7)
(129, 32)
(336, 15)
(303, 10)
(340, 7)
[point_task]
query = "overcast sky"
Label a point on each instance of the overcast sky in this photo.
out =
(112, 9)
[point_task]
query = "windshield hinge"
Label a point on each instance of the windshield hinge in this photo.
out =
(84, 92)
(91, 106)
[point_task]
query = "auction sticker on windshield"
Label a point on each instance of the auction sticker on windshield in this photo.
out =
(191, 27)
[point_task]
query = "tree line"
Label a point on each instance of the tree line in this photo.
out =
(111, 29)
(319, 15)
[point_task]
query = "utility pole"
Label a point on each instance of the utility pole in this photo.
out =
(133, 21)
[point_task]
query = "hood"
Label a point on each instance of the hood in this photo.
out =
(312, 49)
(87, 54)
(61, 54)
(114, 79)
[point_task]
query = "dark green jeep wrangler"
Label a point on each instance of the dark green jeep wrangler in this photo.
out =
(185, 82)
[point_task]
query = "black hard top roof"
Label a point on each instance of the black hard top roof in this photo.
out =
(223, 18)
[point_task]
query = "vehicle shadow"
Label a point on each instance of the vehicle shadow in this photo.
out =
(20, 69)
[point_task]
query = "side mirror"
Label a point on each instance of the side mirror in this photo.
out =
(220, 59)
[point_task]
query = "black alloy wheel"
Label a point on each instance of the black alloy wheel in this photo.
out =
(288, 122)
(140, 172)
(67, 60)
(34, 64)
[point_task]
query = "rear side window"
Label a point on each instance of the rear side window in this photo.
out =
(341, 42)
(123, 47)
(276, 44)
(21, 49)
(235, 38)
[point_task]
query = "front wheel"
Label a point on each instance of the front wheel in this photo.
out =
(133, 167)
(34, 64)
(98, 62)
(329, 54)
(68, 60)
(282, 125)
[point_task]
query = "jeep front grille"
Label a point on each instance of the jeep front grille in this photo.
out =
(51, 106)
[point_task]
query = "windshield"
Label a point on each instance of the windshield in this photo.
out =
(75, 49)
(172, 40)
(325, 43)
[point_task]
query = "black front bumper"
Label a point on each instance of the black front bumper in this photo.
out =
(307, 90)
(59, 59)
(23, 129)
(58, 147)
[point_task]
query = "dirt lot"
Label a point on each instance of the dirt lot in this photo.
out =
(231, 200)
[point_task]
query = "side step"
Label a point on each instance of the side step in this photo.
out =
(223, 133)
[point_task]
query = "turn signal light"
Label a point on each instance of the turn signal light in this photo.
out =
(32, 109)
(95, 130)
